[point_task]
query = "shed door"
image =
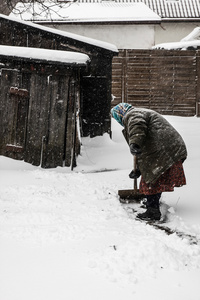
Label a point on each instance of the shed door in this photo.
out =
(19, 99)
(14, 110)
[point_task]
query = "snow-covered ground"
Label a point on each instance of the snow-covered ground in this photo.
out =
(65, 235)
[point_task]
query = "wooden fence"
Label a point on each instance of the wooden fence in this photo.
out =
(162, 80)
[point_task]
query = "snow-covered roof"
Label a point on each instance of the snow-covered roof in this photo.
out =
(46, 55)
(191, 41)
(167, 9)
(76, 37)
(105, 11)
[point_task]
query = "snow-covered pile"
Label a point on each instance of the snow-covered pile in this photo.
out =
(193, 35)
(183, 45)
(64, 235)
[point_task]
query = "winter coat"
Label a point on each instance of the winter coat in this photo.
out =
(160, 143)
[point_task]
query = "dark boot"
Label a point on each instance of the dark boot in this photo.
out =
(153, 211)
(153, 200)
(151, 214)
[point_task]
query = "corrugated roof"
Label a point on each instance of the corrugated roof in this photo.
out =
(167, 9)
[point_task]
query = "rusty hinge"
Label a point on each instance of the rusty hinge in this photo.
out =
(19, 92)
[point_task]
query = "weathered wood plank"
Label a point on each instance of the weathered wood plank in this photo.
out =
(9, 77)
(38, 122)
(53, 152)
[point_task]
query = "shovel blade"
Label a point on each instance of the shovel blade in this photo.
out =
(130, 195)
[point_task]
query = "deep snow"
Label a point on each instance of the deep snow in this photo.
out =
(64, 234)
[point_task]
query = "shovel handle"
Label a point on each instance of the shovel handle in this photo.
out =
(134, 168)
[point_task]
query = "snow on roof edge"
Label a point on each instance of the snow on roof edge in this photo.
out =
(74, 36)
(56, 56)
(102, 20)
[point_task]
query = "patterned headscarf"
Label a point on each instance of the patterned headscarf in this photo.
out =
(119, 111)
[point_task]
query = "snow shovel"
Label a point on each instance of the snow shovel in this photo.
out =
(128, 196)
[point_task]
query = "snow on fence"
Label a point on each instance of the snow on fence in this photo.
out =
(162, 80)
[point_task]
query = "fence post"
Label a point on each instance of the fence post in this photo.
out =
(198, 84)
(124, 76)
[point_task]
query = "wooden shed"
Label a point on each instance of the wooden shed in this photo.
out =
(46, 94)
(95, 84)
(39, 94)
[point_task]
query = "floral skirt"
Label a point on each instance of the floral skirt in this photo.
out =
(173, 177)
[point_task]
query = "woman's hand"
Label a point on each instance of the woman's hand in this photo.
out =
(135, 149)
(135, 174)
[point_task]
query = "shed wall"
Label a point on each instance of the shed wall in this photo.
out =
(37, 115)
(18, 34)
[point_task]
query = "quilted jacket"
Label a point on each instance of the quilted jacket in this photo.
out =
(160, 143)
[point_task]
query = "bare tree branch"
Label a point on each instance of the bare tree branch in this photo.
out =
(46, 7)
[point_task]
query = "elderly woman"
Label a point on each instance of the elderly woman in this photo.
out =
(160, 152)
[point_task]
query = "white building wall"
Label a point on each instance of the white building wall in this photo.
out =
(132, 36)
(173, 32)
(123, 36)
